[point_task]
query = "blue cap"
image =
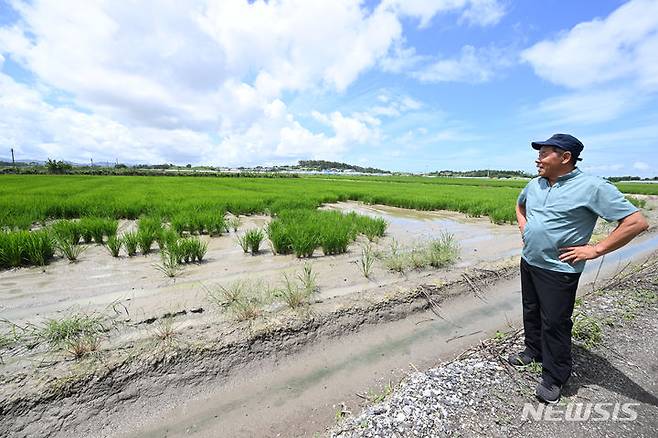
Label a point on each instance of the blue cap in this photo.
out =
(562, 141)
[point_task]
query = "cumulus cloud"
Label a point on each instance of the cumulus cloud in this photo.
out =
(623, 45)
(159, 80)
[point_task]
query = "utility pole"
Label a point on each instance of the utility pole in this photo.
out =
(91, 160)
(13, 162)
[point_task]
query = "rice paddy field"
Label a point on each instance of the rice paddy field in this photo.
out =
(135, 278)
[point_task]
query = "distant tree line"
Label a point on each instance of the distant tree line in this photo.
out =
(484, 173)
(327, 165)
(630, 178)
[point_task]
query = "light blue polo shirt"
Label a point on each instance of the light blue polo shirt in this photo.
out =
(565, 215)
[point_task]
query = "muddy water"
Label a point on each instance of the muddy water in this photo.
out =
(298, 396)
(479, 239)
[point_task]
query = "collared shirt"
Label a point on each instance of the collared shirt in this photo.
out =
(565, 214)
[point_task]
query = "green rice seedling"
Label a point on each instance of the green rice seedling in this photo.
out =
(243, 242)
(114, 245)
(110, 227)
(180, 223)
(308, 279)
(279, 237)
(97, 229)
(335, 238)
(254, 238)
(199, 249)
(149, 224)
(304, 240)
(166, 236)
(145, 239)
(68, 249)
(233, 223)
(443, 251)
(68, 230)
(215, 223)
(131, 241)
(170, 261)
(196, 223)
(39, 247)
(367, 260)
(186, 249)
(88, 227)
(372, 228)
(11, 248)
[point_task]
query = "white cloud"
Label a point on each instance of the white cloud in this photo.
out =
(641, 165)
(203, 79)
(473, 65)
(584, 107)
(623, 45)
(476, 12)
(401, 59)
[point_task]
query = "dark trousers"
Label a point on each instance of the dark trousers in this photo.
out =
(548, 299)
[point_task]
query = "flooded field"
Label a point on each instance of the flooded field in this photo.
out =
(284, 372)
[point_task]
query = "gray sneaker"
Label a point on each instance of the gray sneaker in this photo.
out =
(548, 393)
(521, 359)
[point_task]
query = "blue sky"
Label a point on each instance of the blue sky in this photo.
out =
(411, 85)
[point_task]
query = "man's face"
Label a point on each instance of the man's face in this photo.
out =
(551, 162)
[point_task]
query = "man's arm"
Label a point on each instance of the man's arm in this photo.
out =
(628, 228)
(520, 216)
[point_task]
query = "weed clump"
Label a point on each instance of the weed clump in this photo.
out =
(245, 300)
(438, 253)
(79, 334)
(296, 294)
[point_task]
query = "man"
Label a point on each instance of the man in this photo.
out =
(556, 213)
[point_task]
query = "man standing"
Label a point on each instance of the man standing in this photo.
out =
(557, 212)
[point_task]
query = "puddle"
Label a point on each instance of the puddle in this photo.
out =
(479, 239)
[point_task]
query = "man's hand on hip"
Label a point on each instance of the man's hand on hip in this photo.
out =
(572, 254)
